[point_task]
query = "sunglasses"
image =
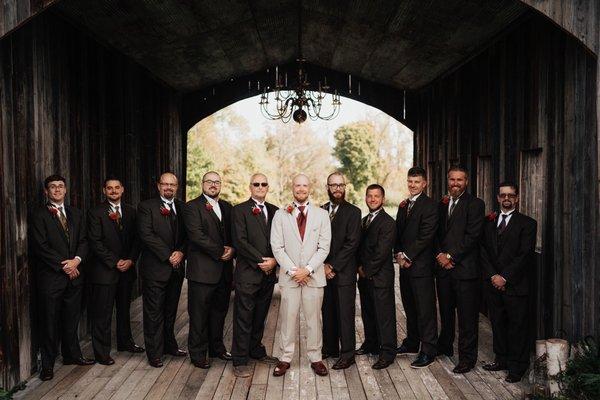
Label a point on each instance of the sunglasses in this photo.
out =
(257, 184)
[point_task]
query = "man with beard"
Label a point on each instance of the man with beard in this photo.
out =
(340, 271)
(300, 239)
(461, 217)
(376, 282)
(209, 271)
(161, 232)
(114, 243)
(58, 235)
(254, 276)
(506, 257)
(416, 225)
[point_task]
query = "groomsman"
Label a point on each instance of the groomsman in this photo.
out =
(254, 276)
(58, 235)
(113, 239)
(461, 218)
(163, 239)
(339, 334)
(376, 282)
(209, 271)
(416, 225)
(507, 257)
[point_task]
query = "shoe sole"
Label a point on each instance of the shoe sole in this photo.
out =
(420, 366)
(407, 354)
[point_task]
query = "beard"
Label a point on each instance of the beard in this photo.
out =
(336, 200)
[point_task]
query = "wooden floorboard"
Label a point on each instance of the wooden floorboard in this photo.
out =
(132, 378)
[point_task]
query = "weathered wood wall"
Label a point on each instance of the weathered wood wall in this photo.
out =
(14, 13)
(525, 110)
(69, 106)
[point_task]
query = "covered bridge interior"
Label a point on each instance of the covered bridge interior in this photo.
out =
(508, 88)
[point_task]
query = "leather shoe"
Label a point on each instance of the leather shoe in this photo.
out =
(225, 356)
(319, 368)
(46, 374)
(362, 350)
(281, 368)
(343, 363)
(326, 355)
(422, 361)
(132, 348)
(404, 350)
(201, 363)
(78, 361)
(462, 368)
(495, 366)
(155, 362)
(268, 360)
(105, 360)
(382, 364)
(242, 371)
(177, 353)
(511, 378)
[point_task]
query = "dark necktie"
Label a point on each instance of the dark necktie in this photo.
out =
(452, 206)
(262, 210)
(301, 219)
(411, 203)
(173, 217)
(369, 219)
(63, 221)
(332, 214)
(119, 217)
(502, 226)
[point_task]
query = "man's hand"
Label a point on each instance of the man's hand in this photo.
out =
(176, 258)
(402, 261)
(499, 282)
(267, 265)
(301, 276)
(443, 261)
(124, 265)
(329, 273)
(361, 271)
(227, 253)
(68, 266)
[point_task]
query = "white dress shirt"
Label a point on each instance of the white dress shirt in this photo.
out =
(508, 214)
(170, 204)
(215, 205)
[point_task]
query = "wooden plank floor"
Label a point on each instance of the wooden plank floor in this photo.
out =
(132, 378)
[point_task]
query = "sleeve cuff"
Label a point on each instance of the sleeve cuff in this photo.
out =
(406, 257)
(78, 258)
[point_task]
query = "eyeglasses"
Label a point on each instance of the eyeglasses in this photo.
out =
(257, 184)
(336, 185)
(507, 195)
(216, 183)
(56, 186)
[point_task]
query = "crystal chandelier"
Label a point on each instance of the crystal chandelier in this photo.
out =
(302, 100)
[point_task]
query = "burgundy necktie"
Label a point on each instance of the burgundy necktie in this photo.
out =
(301, 219)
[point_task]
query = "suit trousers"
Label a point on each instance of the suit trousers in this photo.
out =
(311, 300)
(207, 307)
(418, 299)
(59, 313)
(102, 300)
(459, 296)
(378, 312)
(339, 331)
(250, 309)
(509, 316)
(160, 310)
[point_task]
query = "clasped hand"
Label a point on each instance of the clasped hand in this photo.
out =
(267, 265)
(176, 258)
(329, 273)
(443, 261)
(70, 267)
(227, 253)
(301, 275)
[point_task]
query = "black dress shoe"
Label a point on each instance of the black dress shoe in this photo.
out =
(226, 356)
(132, 348)
(105, 360)
(462, 368)
(177, 353)
(512, 378)
(46, 374)
(78, 361)
(343, 363)
(155, 362)
(422, 361)
(404, 350)
(362, 350)
(201, 363)
(381, 364)
(495, 366)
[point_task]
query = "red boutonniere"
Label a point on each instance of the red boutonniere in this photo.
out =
(165, 211)
(209, 206)
(289, 208)
(256, 210)
(492, 216)
(403, 204)
(114, 216)
(53, 211)
(446, 199)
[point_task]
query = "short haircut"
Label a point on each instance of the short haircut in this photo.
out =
(417, 171)
(54, 178)
(374, 186)
(336, 173)
(458, 167)
(112, 178)
(509, 184)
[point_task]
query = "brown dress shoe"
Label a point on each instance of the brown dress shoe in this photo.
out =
(319, 368)
(343, 363)
(155, 362)
(177, 353)
(201, 363)
(281, 368)
(46, 374)
(105, 360)
(382, 363)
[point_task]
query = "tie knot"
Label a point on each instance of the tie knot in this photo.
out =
(261, 206)
(301, 209)
(116, 208)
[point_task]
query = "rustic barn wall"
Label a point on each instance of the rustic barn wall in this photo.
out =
(70, 106)
(13, 13)
(525, 110)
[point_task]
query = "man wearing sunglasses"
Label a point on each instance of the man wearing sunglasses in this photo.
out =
(209, 271)
(254, 276)
(506, 258)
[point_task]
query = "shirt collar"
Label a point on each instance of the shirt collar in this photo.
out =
(299, 205)
(376, 211)
(508, 213)
(415, 197)
(167, 201)
(56, 205)
(210, 199)
(258, 203)
(459, 196)
(113, 205)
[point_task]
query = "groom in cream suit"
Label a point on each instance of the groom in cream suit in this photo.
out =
(300, 239)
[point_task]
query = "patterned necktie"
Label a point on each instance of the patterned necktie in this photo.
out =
(262, 210)
(63, 220)
(502, 226)
(118, 212)
(411, 203)
(332, 213)
(452, 206)
(301, 220)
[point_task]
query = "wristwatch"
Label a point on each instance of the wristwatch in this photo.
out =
(448, 256)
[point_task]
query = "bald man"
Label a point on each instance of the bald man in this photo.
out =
(300, 239)
(164, 242)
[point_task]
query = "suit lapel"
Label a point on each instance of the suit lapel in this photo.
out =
(457, 210)
(260, 217)
(494, 235)
(292, 220)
